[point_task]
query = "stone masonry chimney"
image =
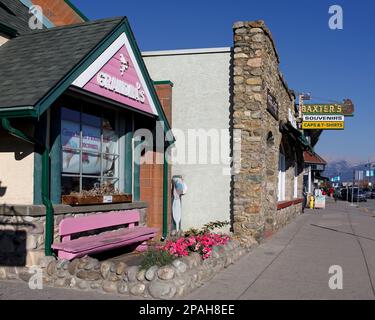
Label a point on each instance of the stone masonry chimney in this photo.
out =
(256, 78)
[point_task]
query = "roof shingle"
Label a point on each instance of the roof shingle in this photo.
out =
(33, 63)
(15, 15)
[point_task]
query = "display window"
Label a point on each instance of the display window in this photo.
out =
(90, 149)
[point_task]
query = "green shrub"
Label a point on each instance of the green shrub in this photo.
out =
(154, 257)
(210, 226)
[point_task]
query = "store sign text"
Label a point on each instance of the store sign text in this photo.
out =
(323, 117)
(322, 108)
(121, 87)
(346, 108)
(323, 125)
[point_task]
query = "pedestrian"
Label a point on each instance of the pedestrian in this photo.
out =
(304, 203)
(331, 191)
(336, 194)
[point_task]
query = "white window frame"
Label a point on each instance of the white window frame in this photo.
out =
(80, 150)
(295, 194)
(281, 182)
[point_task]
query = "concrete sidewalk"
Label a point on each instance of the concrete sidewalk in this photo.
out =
(294, 263)
(19, 290)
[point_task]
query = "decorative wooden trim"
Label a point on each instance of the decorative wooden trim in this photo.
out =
(286, 204)
(55, 155)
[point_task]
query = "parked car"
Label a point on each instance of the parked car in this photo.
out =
(343, 194)
(367, 192)
(373, 194)
(358, 195)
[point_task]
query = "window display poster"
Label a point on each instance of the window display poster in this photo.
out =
(91, 148)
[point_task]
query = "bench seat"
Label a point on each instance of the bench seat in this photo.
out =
(70, 249)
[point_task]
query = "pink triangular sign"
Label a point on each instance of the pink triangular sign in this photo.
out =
(116, 75)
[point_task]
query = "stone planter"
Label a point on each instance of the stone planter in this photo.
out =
(172, 281)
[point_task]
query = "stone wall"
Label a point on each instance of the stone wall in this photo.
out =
(22, 236)
(255, 186)
(174, 280)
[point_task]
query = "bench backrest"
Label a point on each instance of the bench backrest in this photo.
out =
(70, 226)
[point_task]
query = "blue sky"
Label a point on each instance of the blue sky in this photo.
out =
(329, 64)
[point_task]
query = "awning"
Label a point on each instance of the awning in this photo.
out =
(296, 135)
(313, 158)
(321, 178)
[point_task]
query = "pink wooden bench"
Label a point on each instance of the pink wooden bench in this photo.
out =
(70, 249)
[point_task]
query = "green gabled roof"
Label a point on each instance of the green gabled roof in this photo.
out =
(33, 64)
(38, 67)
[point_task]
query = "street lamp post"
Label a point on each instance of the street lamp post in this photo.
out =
(352, 202)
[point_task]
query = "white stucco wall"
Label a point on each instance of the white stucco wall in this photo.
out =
(16, 171)
(3, 39)
(201, 100)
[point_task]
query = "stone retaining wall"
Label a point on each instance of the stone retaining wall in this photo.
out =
(281, 218)
(172, 281)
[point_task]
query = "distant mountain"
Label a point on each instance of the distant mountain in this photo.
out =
(344, 169)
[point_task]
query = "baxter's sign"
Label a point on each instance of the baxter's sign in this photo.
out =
(346, 108)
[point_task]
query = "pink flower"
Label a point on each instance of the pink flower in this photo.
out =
(202, 244)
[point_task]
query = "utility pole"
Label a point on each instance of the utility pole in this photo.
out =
(300, 105)
(352, 202)
(369, 172)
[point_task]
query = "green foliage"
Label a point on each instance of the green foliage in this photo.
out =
(192, 232)
(154, 257)
(214, 225)
(210, 226)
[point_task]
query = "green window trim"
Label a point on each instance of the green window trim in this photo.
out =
(55, 155)
(168, 82)
(128, 163)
